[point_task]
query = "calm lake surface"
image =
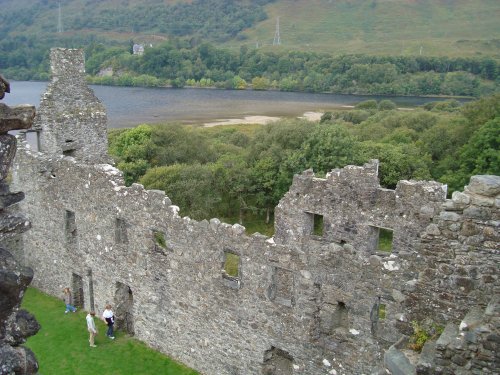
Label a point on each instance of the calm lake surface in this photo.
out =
(130, 106)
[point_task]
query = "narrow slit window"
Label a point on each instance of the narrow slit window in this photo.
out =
(70, 226)
(381, 311)
(121, 231)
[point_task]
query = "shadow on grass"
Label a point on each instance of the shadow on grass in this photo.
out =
(61, 346)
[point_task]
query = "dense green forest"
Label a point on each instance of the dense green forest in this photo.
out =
(239, 173)
(178, 64)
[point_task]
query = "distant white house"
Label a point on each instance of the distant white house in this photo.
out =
(138, 49)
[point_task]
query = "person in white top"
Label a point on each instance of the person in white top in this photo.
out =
(109, 318)
(91, 328)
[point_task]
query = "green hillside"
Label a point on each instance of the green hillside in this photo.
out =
(396, 27)
(388, 27)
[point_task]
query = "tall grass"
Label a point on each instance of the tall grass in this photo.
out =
(62, 347)
(403, 27)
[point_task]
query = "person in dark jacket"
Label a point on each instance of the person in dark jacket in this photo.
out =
(109, 318)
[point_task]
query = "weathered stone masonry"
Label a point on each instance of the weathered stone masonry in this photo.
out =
(15, 324)
(303, 302)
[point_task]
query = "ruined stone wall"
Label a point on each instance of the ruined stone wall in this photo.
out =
(461, 251)
(70, 118)
(324, 300)
(315, 300)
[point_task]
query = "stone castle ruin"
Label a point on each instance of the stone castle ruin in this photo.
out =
(323, 296)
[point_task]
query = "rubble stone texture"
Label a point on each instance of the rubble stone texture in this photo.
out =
(307, 301)
(71, 122)
(15, 324)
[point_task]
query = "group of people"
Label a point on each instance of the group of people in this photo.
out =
(107, 316)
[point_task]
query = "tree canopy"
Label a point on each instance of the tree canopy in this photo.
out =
(240, 172)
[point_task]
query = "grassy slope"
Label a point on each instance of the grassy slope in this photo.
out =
(440, 27)
(437, 27)
(61, 346)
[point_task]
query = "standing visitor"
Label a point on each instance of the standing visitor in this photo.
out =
(68, 300)
(109, 318)
(91, 328)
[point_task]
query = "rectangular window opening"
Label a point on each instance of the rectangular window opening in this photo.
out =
(231, 264)
(384, 240)
(316, 224)
(70, 226)
(281, 289)
(381, 311)
(121, 231)
(231, 270)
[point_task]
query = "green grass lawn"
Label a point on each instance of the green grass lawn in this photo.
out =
(61, 346)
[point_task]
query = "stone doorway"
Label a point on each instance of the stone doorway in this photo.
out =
(77, 290)
(124, 304)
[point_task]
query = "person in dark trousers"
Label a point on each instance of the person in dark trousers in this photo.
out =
(109, 318)
(68, 300)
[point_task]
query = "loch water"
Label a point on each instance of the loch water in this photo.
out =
(130, 106)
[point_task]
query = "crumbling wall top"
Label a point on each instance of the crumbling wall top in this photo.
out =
(71, 120)
(67, 64)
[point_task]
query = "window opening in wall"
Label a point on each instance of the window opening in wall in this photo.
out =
(384, 240)
(381, 311)
(340, 318)
(124, 304)
(70, 152)
(277, 362)
(316, 224)
(231, 271)
(231, 264)
(334, 318)
(160, 243)
(70, 226)
(121, 231)
(77, 290)
(281, 288)
(69, 148)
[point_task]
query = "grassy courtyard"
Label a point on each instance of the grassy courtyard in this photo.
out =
(61, 346)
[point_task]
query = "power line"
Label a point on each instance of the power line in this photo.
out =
(59, 20)
(277, 39)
